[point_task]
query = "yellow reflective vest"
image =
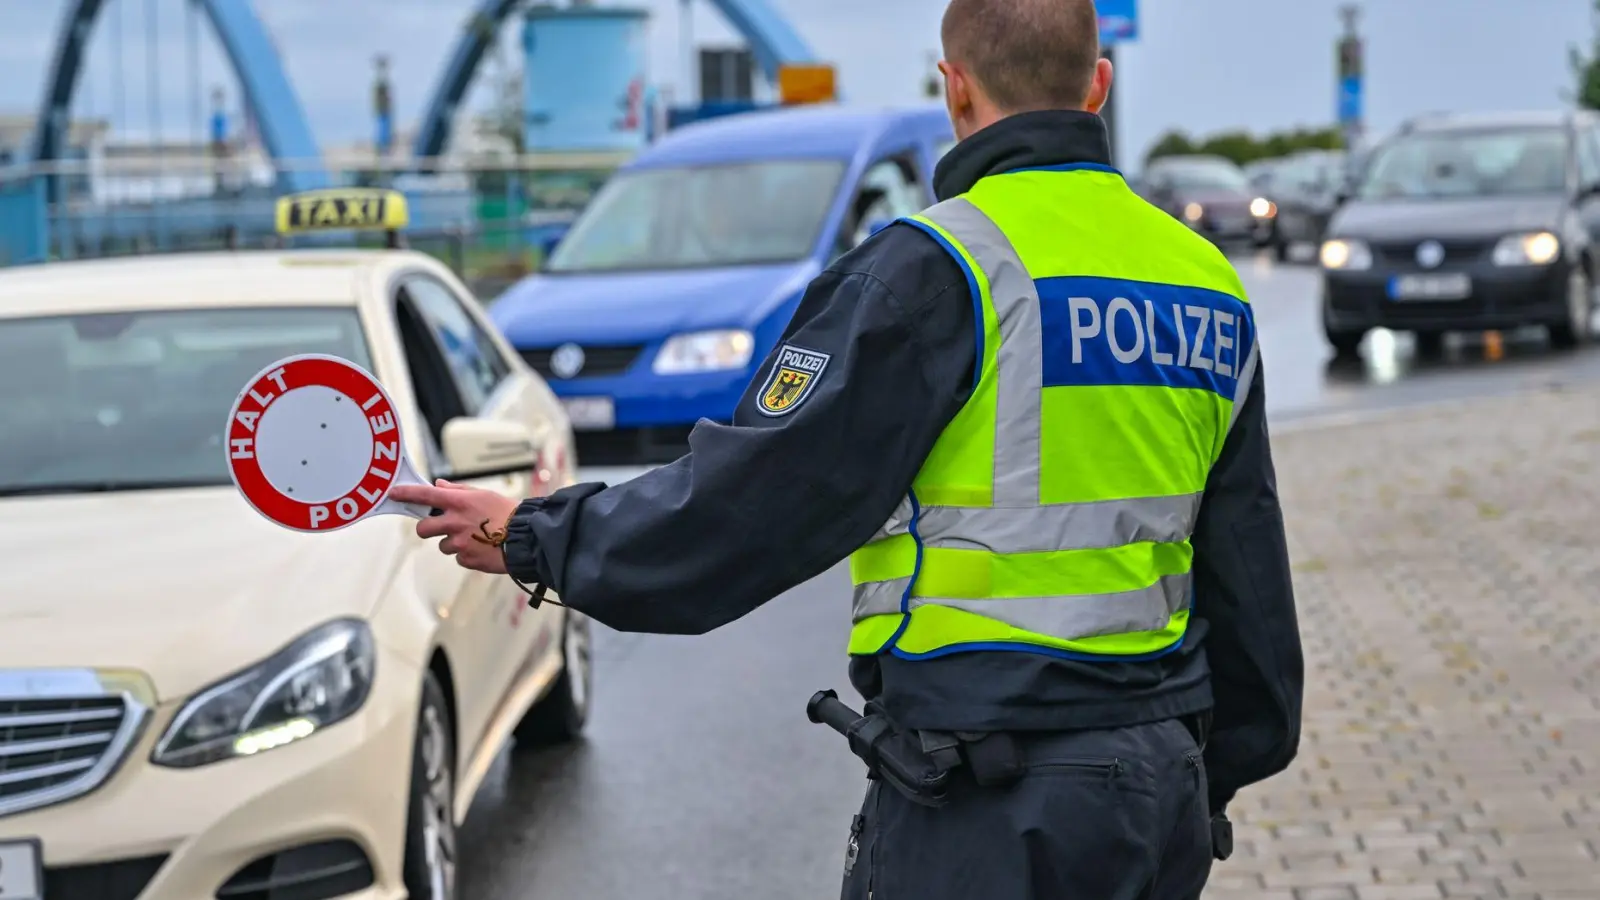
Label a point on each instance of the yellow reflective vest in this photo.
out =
(1054, 513)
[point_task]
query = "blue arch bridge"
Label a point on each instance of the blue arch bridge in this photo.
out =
(56, 204)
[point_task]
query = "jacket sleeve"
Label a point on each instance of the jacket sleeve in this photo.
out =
(765, 503)
(1244, 594)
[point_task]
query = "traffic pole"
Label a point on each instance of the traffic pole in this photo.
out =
(1108, 112)
(1351, 93)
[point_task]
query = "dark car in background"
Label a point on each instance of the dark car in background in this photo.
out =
(1469, 223)
(1305, 187)
(1210, 194)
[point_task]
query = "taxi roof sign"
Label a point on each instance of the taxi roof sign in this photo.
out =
(807, 83)
(343, 209)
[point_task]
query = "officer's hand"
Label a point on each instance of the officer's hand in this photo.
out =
(472, 521)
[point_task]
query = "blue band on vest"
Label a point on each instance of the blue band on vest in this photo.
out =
(1110, 331)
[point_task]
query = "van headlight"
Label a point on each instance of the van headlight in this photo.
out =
(321, 678)
(1345, 254)
(705, 351)
(1537, 249)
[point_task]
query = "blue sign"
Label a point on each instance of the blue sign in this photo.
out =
(385, 136)
(1119, 21)
(1350, 100)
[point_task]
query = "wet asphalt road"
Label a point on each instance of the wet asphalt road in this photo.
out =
(701, 777)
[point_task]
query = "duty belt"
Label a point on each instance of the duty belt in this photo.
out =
(918, 764)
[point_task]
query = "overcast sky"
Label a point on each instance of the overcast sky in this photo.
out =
(1200, 65)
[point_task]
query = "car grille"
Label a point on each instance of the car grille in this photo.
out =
(597, 360)
(122, 879)
(1403, 254)
(53, 749)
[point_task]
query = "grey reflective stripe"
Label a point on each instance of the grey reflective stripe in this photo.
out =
(1247, 375)
(878, 598)
(1083, 615)
(1064, 526)
(1068, 617)
(1020, 356)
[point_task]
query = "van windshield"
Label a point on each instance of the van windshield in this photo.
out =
(729, 214)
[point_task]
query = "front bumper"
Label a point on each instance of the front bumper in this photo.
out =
(653, 413)
(155, 833)
(1501, 298)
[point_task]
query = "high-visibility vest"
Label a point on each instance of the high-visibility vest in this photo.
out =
(1054, 513)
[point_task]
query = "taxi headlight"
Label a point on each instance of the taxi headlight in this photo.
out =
(321, 678)
(1537, 249)
(1193, 212)
(705, 351)
(1262, 208)
(1345, 254)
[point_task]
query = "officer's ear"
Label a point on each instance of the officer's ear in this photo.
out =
(1099, 86)
(957, 93)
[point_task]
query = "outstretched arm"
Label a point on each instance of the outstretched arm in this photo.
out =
(874, 364)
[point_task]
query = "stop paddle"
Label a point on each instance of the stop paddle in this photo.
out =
(314, 445)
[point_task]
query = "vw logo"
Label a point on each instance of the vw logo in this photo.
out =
(566, 361)
(1429, 254)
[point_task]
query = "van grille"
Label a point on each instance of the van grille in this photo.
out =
(53, 749)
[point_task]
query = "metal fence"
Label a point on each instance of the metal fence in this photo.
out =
(487, 219)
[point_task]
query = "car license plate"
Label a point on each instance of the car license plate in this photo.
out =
(21, 871)
(591, 413)
(1453, 286)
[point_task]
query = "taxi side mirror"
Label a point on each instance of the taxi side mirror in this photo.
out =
(481, 448)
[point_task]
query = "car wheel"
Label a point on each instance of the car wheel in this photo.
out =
(563, 712)
(1346, 344)
(430, 862)
(1580, 312)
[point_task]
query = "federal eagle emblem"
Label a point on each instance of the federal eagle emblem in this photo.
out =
(794, 375)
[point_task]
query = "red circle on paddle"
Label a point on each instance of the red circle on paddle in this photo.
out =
(313, 443)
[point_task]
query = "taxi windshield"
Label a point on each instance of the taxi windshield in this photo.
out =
(1453, 163)
(137, 400)
(702, 216)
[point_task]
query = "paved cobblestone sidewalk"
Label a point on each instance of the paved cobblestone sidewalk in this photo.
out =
(1447, 567)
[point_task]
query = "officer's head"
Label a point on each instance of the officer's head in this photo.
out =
(1003, 57)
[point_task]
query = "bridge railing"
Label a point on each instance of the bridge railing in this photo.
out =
(487, 217)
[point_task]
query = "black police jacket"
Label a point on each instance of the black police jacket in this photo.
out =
(670, 552)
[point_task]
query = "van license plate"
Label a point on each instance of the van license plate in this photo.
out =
(586, 414)
(1453, 286)
(21, 871)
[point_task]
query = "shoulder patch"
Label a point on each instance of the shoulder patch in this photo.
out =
(794, 373)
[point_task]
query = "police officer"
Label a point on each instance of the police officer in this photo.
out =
(1032, 418)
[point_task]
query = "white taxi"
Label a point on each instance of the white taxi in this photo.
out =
(195, 702)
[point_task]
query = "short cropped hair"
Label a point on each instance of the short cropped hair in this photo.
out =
(1027, 55)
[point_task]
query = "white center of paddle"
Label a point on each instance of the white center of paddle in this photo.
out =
(314, 444)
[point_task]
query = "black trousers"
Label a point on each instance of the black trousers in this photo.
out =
(1099, 815)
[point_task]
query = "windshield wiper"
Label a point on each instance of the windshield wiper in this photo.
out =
(104, 487)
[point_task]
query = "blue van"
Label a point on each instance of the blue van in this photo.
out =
(655, 309)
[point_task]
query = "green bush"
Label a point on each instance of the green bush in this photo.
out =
(1243, 147)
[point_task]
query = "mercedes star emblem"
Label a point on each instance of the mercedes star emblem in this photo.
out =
(1429, 254)
(566, 361)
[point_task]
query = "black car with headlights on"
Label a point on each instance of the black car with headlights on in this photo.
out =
(1212, 195)
(1464, 223)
